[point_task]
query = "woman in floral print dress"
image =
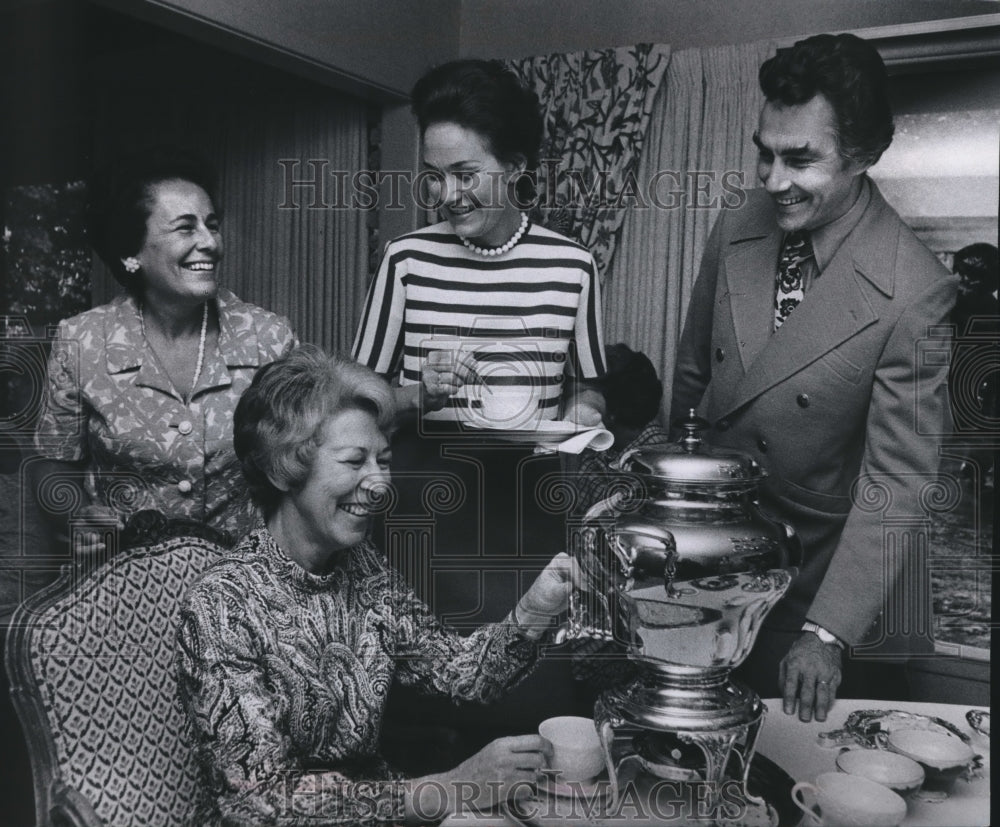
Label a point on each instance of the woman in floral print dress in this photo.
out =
(139, 402)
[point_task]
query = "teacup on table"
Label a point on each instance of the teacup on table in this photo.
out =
(943, 757)
(577, 752)
(848, 801)
(900, 774)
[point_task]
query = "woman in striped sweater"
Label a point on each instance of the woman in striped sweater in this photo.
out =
(519, 303)
(484, 305)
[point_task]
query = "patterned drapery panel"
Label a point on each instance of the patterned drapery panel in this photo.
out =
(596, 106)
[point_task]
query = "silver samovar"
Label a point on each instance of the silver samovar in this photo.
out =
(681, 568)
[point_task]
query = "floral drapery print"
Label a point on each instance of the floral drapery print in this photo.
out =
(703, 120)
(596, 106)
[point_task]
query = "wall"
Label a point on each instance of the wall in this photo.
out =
(516, 28)
(377, 47)
(380, 47)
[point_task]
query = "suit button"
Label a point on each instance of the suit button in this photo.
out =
(803, 400)
(185, 427)
(720, 354)
(762, 444)
(722, 425)
(184, 486)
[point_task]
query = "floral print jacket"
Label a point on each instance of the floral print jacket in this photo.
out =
(109, 404)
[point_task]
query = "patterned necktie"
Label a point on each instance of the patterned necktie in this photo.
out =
(789, 291)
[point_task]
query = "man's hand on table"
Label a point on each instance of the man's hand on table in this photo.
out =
(810, 674)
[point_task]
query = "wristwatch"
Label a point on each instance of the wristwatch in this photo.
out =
(822, 634)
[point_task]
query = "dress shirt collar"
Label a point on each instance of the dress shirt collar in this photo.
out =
(826, 240)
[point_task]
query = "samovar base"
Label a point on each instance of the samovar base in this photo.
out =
(698, 729)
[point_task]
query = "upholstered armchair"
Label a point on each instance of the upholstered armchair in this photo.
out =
(90, 660)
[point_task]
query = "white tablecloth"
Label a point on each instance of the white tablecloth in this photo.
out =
(795, 747)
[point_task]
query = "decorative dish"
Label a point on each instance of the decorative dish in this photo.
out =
(979, 720)
(871, 728)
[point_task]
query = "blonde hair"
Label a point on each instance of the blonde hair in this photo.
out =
(278, 425)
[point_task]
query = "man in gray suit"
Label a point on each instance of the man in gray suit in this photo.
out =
(801, 347)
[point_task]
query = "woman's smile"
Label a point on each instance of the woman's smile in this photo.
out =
(470, 184)
(332, 509)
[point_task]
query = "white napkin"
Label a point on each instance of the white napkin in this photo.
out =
(597, 439)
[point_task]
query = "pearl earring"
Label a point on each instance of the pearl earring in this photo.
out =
(131, 264)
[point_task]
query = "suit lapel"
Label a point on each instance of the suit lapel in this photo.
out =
(750, 274)
(838, 306)
(813, 329)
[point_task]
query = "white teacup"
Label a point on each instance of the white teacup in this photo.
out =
(502, 384)
(508, 407)
(943, 757)
(849, 801)
(577, 754)
(897, 772)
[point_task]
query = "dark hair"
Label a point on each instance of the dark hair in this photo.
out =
(978, 264)
(632, 390)
(489, 99)
(121, 201)
(850, 74)
(278, 424)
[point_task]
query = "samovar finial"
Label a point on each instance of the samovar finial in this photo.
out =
(693, 426)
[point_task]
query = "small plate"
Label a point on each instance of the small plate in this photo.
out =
(591, 790)
(548, 432)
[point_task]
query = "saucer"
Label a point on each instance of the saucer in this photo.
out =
(546, 432)
(597, 787)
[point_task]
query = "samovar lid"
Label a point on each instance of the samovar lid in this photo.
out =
(690, 460)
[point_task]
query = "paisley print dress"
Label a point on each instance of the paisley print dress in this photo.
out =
(284, 676)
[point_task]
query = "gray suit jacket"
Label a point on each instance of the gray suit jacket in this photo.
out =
(842, 405)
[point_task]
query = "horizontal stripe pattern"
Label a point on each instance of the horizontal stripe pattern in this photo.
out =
(522, 318)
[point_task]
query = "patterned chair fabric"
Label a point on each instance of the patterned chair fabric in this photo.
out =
(91, 666)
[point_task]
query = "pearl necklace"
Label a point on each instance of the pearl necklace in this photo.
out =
(503, 248)
(201, 345)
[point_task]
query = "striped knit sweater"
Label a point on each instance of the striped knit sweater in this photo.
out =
(527, 318)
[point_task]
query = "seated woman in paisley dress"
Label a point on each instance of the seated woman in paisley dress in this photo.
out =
(287, 648)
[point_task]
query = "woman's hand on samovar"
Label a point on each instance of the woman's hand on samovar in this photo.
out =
(548, 596)
(810, 673)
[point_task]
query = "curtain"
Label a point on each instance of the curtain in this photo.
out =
(697, 158)
(596, 106)
(295, 249)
